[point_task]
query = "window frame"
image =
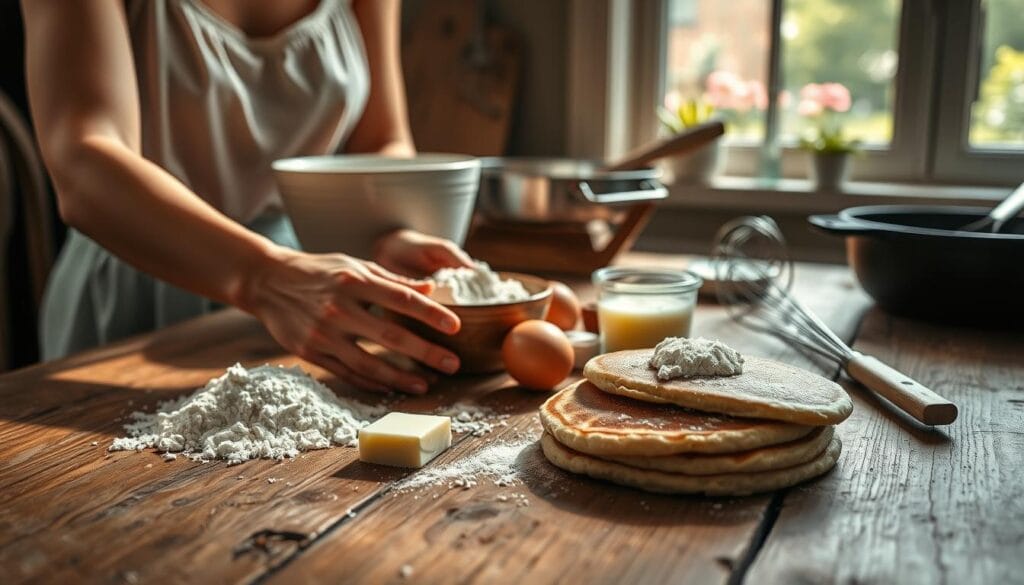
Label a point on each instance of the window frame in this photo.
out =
(923, 150)
(954, 159)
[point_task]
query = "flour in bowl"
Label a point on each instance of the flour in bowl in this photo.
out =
(480, 285)
(268, 412)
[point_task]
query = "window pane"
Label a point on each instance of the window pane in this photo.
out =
(850, 43)
(718, 54)
(997, 115)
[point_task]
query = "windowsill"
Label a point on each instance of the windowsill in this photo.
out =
(799, 196)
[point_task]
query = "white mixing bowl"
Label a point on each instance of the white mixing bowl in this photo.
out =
(343, 203)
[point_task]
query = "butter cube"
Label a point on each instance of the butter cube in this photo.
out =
(405, 440)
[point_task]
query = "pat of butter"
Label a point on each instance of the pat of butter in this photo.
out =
(405, 440)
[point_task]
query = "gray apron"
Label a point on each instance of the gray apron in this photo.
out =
(94, 298)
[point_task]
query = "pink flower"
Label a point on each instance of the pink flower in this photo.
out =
(815, 98)
(835, 97)
(809, 108)
(722, 82)
(727, 91)
(811, 92)
(758, 94)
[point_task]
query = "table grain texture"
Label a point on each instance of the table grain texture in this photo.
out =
(905, 504)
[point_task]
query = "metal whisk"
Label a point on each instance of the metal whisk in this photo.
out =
(754, 274)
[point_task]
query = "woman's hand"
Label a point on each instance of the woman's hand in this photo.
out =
(316, 306)
(415, 254)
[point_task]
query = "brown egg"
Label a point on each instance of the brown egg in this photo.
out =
(537, 354)
(565, 307)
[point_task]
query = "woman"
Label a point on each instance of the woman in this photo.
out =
(158, 121)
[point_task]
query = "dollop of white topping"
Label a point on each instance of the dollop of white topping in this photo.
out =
(480, 285)
(681, 357)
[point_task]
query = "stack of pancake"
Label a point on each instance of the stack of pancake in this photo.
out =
(767, 428)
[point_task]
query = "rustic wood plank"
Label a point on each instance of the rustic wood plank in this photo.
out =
(908, 504)
(181, 521)
(573, 528)
(68, 510)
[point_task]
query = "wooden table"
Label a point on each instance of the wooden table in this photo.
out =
(905, 504)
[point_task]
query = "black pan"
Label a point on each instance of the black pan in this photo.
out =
(914, 261)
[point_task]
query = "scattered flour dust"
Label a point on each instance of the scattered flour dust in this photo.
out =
(496, 461)
(473, 419)
(268, 412)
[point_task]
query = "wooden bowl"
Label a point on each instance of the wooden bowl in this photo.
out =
(484, 327)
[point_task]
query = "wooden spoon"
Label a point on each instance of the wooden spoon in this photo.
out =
(688, 141)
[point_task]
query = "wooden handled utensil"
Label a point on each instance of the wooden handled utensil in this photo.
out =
(909, 395)
(681, 143)
(754, 275)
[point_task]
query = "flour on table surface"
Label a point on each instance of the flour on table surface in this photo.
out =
(473, 419)
(497, 462)
(268, 412)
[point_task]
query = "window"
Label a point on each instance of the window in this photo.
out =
(934, 89)
(853, 46)
(997, 108)
(715, 54)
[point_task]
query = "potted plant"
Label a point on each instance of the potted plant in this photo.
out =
(738, 102)
(677, 116)
(822, 104)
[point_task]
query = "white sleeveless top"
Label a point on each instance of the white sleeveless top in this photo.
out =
(217, 107)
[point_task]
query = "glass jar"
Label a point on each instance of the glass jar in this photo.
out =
(638, 307)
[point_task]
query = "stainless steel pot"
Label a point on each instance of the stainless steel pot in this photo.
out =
(552, 190)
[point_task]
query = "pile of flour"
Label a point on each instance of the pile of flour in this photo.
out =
(680, 357)
(480, 285)
(265, 412)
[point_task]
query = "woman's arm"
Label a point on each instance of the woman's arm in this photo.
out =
(81, 82)
(82, 89)
(384, 126)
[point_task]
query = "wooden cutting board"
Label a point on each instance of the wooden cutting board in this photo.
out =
(461, 75)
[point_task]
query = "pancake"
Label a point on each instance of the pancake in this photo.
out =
(727, 484)
(601, 424)
(762, 459)
(766, 389)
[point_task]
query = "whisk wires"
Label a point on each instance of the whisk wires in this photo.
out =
(755, 278)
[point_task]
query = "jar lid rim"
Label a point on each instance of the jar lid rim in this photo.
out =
(646, 280)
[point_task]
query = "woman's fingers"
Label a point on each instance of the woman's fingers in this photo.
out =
(397, 338)
(372, 367)
(422, 286)
(444, 254)
(345, 374)
(408, 302)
